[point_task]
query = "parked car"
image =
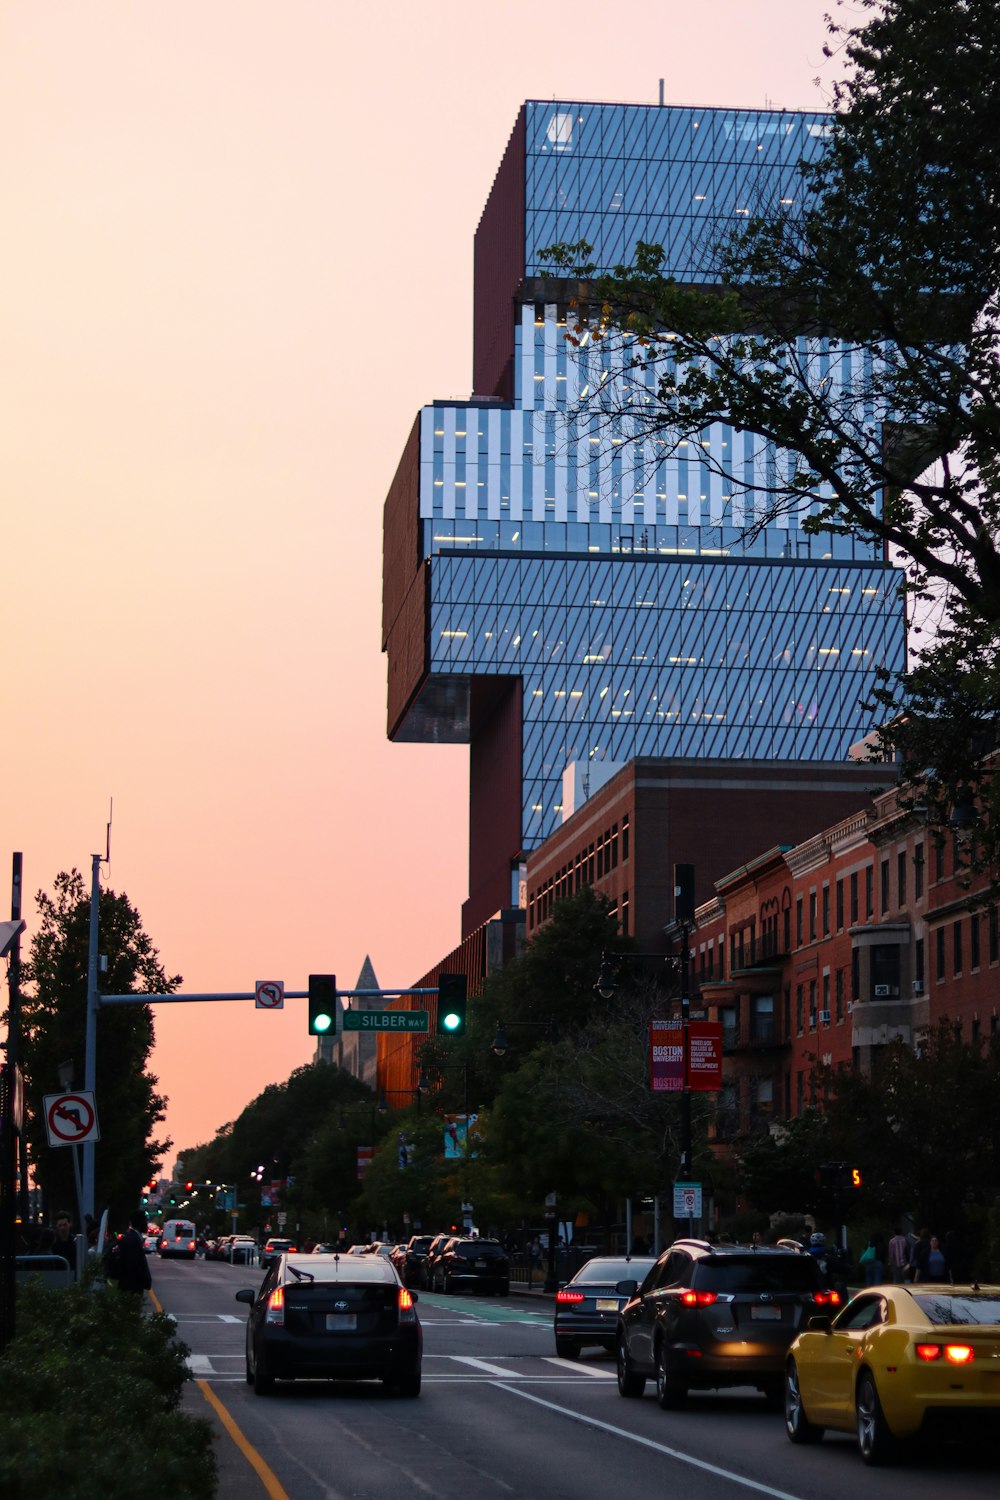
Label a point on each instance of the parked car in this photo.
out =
(708, 1316)
(893, 1359)
(472, 1265)
(216, 1249)
(409, 1258)
(587, 1307)
(241, 1250)
(332, 1317)
(179, 1238)
(273, 1248)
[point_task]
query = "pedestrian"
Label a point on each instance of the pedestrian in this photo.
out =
(871, 1262)
(917, 1268)
(955, 1256)
(64, 1243)
(133, 1266)
(936, 1263)
(899, 1254)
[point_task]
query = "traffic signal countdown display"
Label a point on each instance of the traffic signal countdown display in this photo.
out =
(322, 1004)
(840, 1175)
(452, 1001)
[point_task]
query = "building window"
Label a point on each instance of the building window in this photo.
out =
(762, 1018)
(625, 832)
(826, 996)
(938, 861)
(624, 914)
(884, 873)
(855, 974)
(901, 878)
(884, 959)
(918, 872)
(840, 994)
(812, 1005)
(840, 906)
(787, 915)
(869, 890)
(854, 898)
(975, 1029)
(798, 921)
(918, 962)
(798, 1009)
(788, 1010)
(974, 941)
(812, 916)
(956, 943)
(939, 945)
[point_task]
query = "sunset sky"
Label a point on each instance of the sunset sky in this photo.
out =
(237, 258)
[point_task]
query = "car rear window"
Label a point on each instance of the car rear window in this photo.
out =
(479, 1250)
(758, 1273)
(342, 1267)
(614, 1270)
(964, 1307)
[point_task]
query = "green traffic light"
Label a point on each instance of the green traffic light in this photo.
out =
(451, 1021)
(321, 1022)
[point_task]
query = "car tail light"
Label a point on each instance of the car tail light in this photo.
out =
(955, 1354)
(407, 1312)
(826, 1299)
(698, 1299)
(567, 1297)
(275, 1314)
(191, 1245)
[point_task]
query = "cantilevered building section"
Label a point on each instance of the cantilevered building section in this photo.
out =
(564, 590)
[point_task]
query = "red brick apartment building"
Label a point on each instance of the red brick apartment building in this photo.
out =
(820, 953)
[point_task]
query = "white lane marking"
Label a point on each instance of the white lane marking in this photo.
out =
(569, 1364)
(634, 1437)
(481, 1364)
(229, 1318)
(200, 1364)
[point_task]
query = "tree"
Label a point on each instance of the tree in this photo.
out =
(855, 333)
(53, 1011)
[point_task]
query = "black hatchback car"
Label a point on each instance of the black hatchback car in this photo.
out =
(332, 1317)
(471, 1265)
(587, 1307)
(708, 1316)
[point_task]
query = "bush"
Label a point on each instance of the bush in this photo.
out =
(90, 1392)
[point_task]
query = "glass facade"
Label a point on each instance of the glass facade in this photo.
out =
(608, 568)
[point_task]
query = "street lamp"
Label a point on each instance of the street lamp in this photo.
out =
(607, 984)
(500, 1044)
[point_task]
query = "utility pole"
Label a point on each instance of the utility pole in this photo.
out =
(90, 1048)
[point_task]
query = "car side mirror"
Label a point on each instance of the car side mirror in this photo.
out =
(819, 1324)
(628, 1287)
(246, 1295)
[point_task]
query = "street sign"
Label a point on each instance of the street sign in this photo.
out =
(385, 1020)
(687, 1200)
(70, 1119)
(269, 994)
(705, 1056)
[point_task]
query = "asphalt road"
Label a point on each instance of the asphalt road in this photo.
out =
(500, 1417)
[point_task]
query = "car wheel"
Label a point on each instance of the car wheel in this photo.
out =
(670, 1392)
(567, 1348)
(409, 1384)
(876, 1442)
(263, 1383)
(797, 1424)
(630, 1382)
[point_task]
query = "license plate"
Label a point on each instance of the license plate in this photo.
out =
(480, 1265)
(341, 1322)
(773, 1313)
(607, 1304)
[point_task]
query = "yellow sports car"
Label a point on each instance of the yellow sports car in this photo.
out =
(895, 1359)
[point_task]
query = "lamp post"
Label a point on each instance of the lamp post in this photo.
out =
(679, 930)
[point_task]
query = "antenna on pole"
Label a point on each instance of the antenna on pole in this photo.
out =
(111, 814)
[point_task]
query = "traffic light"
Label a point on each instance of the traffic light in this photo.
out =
(452, 1000)
(839, 1174)
(322, 1004)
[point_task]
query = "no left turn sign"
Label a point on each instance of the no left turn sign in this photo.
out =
(269, 994)
(70, 1119)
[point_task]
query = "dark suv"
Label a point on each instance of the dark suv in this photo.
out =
(409, 1258)
(717, 1315)
(472, 1265)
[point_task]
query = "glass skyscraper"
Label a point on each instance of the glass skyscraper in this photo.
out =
(566, 588)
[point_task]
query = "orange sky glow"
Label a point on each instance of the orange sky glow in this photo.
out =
(237, 258)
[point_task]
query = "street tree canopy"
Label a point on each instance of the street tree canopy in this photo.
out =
(887, 269)
(53, 1017)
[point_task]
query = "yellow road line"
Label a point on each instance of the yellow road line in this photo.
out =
(155, 1300)
(264, 1472)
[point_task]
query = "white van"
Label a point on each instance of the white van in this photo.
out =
(179, 1237)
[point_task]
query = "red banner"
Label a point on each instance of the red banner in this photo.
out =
(705, 1056)
(666, 1056)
